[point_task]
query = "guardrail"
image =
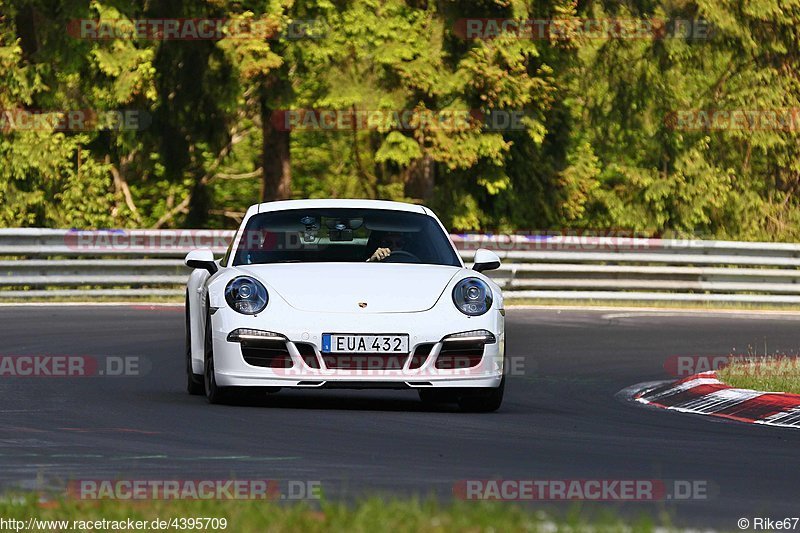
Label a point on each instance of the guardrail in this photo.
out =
(46, 263)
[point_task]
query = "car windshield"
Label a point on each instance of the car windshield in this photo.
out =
(344, 236)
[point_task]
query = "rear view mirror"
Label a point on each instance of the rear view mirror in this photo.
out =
(341, 235)
(485, 260)
(201, 259)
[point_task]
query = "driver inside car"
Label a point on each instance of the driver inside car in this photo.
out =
(388, 243)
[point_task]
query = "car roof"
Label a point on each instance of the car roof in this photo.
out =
(344, 203)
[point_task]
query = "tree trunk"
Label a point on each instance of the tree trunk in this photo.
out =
(276, 182)
(199, 204)
(420, 180)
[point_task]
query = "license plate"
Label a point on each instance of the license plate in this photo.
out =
(351, 343)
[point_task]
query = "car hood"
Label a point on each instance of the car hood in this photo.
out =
(343, 287)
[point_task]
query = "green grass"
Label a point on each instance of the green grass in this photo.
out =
(771, 374)
(373, 515)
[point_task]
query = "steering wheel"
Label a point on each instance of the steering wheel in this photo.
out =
(398, 256)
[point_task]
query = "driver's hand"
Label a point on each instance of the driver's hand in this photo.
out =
(380, 254)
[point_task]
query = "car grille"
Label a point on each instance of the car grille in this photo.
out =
(274, 354)
(456, 355)
(267, 353)
(308, 354)
(364, 361)
(421, 353)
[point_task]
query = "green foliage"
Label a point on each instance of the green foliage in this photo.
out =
(653, 176)
(596, 144)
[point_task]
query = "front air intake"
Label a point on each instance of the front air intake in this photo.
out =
(308, 354)
(457, 355)
(377, 361)
(421, 353)
(267, 353)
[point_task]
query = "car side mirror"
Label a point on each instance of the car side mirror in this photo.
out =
(201, 259)
(485, 260)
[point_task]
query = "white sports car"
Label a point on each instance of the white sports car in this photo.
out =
(345, 294)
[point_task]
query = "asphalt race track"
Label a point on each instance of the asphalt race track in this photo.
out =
(561, 418)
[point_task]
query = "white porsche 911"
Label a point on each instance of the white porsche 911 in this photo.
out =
(345, 294)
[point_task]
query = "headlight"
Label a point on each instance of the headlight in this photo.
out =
(472, 296)
(246, 295)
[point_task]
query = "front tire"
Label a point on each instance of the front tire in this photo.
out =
(483, 400)
(194, 382)
(437, 396)
(214, 393)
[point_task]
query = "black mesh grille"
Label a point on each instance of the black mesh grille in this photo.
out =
(266, 353)
(308, 354)
(455, 355)
(345, 361)
(421, 353)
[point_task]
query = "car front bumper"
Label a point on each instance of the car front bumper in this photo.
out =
(302, 327)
